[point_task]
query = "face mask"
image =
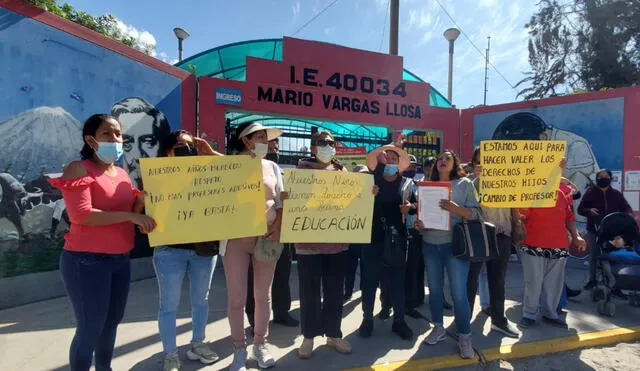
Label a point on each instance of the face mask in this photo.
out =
(603, 182)
(185, 151)
(325, 154)
(390, 170)
(260, 149)
(109, 152)
(272, 156)
(410, 174)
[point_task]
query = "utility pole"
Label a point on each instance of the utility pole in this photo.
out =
(394, 19)
(486, 69)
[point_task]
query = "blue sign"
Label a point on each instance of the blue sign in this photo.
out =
(228, 96)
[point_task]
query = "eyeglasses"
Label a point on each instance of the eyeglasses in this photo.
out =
(324, 142)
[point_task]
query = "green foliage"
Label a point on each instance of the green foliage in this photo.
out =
(106, 25)
(583, 45)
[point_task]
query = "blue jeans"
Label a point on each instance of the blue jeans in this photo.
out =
(171, 265)
(372, 272)
(483, 287)
(98, 286)
(437, 258)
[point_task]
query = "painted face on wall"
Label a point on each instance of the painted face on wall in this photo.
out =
(139, 141)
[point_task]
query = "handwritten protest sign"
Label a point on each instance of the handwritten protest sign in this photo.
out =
(351, 156)
(203, 198)
(520, 174)
(327, 206)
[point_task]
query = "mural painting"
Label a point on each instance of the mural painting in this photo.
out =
(593, 131)
(50, 82)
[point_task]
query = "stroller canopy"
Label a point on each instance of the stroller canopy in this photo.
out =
(618, 224)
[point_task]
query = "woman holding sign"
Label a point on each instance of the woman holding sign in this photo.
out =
(251, 139)
(322, 268)
(103, 207)
(173, 262)
(438, 253)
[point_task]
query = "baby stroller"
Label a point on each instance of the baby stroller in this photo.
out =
(619, 263)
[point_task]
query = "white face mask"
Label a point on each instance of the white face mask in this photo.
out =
(325, 154)
(260, 149)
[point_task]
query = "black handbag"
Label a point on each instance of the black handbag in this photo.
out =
(394, 249)
(475, 240)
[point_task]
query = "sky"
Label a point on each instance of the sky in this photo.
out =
(354, 23)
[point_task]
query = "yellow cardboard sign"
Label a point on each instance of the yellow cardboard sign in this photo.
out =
(327, 207)
(520, 174)
(203, 198)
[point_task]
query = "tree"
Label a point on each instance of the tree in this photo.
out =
(585, 45)
(106, 25)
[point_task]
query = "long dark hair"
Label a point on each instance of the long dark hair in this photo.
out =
(236, 145)
(170, 140)
(456, 172)
(475, 159)
(90, 128)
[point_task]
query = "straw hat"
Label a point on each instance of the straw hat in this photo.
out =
(372, 157)
(272, 133)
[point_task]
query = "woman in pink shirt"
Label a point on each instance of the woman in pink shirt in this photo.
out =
(251, 139)
(103, 207)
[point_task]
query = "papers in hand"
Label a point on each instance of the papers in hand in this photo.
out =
(429, 211)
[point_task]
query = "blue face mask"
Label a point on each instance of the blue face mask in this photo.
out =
(109, 152)
(390, 170)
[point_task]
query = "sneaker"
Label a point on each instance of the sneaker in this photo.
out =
(590, 285)
(558, 322)
(306, 349)
(571, 293)
(340, 345)
(385, 314)
(436, 335)
(262, 355)
(201, 352)
(401, 329)
(286, 320)
(619, 294)
(526, 322)
(347, 298)
(171, 362)
(239, 360)
(506, 329)
(366, 328)
(466, 347)
(413, 313)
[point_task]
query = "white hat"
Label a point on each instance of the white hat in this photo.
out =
(272, 133)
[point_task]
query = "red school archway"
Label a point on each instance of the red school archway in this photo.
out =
(322, 81)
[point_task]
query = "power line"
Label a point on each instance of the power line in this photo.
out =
(474, 45)
(315, 16)
(384, 25)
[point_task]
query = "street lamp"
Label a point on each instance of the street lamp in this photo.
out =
(181, 34)
(451, 35)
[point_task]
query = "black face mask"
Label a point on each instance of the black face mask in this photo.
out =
(272, 156)
(185, 151)
(409, 174)
(603, 182)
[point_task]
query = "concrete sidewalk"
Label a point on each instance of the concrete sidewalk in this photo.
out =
(37, 336)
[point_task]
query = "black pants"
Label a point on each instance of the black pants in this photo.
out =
(496, 274)
(321, 293)
(414, 275)
(98, 286)
(352, 266)
(391, 281)
(280, 290)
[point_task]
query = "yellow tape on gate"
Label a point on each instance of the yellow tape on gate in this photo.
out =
(203, 198)
(520, 174)
(327, 207)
